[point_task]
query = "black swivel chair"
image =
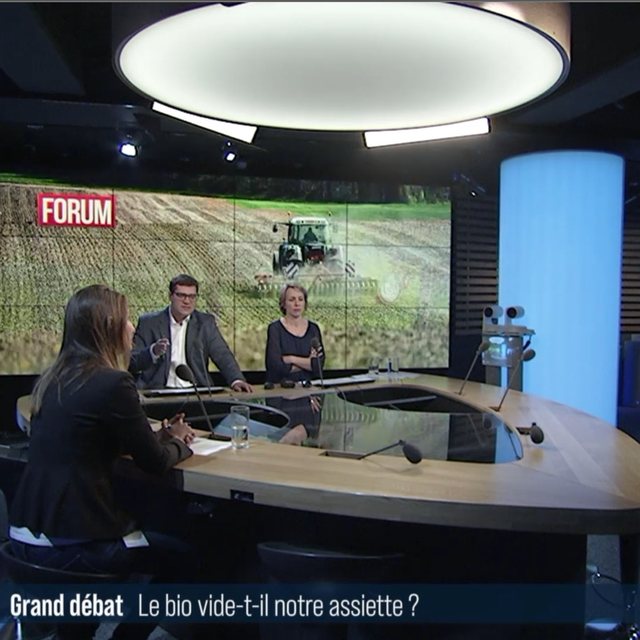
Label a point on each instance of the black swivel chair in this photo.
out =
(23, 572)
(288, 563)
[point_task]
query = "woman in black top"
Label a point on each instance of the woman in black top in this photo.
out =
(85, 414)
(290, 354)
(294, 352)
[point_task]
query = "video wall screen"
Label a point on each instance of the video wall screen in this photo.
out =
(374, 258)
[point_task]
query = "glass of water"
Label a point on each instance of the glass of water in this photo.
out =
(240, 427)
(395, 367)
(374, 367)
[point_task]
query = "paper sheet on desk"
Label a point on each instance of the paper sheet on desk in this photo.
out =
(333, 382)
(182, 391)
(205, 447)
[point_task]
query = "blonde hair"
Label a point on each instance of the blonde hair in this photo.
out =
(283, 295)
(94, 336)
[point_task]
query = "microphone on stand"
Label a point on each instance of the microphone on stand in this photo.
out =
(527, 355)
(484, 345)
(534, 432)
(200, 349)
(315, 344)
(411, 452)
(184, 372)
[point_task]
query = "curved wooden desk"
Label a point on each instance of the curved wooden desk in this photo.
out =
(461, 522)
(584, 478)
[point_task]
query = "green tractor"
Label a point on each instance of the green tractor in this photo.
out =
(309, 247)
(309, 256)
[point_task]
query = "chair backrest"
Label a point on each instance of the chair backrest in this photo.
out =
(23, 572)
(291, 563)
(4, 517)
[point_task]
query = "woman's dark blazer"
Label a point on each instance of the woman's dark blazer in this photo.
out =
(65, 491)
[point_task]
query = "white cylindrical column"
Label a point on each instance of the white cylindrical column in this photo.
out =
(560, 258)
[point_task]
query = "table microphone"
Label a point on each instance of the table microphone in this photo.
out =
(315, 344)
(411, 452)
(534, 432)
(484, 345)
(200, 349)
(527, 355)
(184, 372)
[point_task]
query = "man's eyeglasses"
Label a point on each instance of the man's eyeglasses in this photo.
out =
(186, 296)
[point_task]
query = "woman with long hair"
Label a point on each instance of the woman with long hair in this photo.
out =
(86, 413)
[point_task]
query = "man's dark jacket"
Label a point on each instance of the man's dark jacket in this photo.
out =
(203, 341)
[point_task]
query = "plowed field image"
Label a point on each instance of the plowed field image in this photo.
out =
(377, 273)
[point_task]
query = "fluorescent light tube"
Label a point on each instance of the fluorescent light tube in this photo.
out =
(242, 132)
(424, 134)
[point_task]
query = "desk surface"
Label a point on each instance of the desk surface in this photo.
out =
(360, 419)
(584, 478)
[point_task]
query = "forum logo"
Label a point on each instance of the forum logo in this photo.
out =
(76, 210)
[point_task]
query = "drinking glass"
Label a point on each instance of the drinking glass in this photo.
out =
(374, 367)
(240, 427)
(395, 367)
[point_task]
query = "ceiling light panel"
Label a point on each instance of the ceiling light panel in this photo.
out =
(342, 66)
(242, 132)
(425, 134)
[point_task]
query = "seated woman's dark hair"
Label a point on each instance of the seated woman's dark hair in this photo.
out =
(94, 336)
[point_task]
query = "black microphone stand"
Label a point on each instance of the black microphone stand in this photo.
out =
(204, 410)
(185, 373)
(481, 349)
(315, 344)
(525, 357)
(317, 358)
(200, 349)
(411, 452)
(391, 446)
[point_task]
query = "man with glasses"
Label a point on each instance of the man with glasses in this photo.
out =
(180, 334)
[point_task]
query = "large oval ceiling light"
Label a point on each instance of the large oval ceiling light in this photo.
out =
(350, 66)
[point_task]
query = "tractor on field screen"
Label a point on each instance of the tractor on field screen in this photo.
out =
(308, 256)
(308, 245)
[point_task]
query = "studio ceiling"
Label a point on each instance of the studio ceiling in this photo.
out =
(64, 110)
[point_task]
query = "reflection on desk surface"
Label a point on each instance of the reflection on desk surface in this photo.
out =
(367, 419)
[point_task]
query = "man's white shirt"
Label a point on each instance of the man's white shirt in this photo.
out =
(178, 350)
